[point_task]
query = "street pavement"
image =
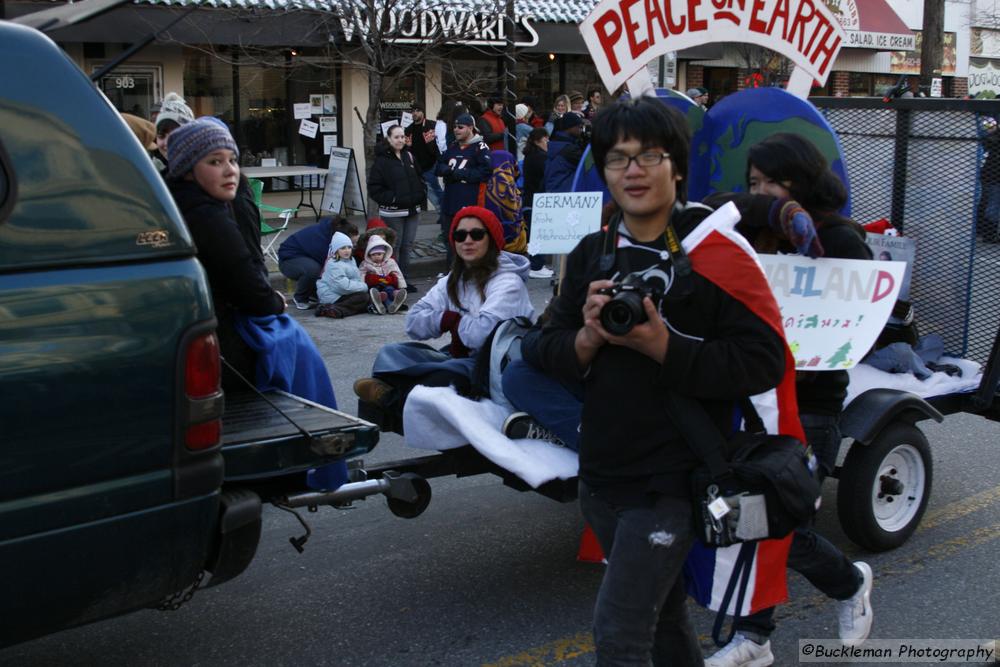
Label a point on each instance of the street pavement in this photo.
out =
(488, 576)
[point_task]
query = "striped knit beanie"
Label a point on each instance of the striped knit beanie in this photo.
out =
(190, 143)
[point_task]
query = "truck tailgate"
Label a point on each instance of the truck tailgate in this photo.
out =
(259, 442)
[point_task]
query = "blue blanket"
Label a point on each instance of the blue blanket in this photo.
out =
(287, 359)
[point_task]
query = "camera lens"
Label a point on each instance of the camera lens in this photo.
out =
(623, 312)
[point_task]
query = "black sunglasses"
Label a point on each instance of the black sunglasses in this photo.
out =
(460, 234)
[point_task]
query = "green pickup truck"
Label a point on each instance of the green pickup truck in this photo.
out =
(126, 478)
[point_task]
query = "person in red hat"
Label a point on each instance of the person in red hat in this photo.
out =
(485, 286)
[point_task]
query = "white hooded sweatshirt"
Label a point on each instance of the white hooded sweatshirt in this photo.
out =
(506, 297)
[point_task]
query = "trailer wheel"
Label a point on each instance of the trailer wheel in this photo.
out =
(420, 498)
(884, 487)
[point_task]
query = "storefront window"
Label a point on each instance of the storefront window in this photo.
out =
(400, 96)
(133, 88)
(536, 74)
(859, 84)
(468, 79)
(261, 112)
(580, 74)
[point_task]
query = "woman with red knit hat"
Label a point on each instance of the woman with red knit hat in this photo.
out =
(485, 286)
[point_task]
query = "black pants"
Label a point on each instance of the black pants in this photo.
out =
(349, 304)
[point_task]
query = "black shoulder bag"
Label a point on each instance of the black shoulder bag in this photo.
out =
(752, 486)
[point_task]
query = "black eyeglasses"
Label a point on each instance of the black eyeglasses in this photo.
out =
(620, 161)
(460, 234)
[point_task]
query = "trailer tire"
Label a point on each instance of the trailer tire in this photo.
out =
(884, 487)
(406, 509)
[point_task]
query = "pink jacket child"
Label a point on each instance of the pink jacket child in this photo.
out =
(387, 287)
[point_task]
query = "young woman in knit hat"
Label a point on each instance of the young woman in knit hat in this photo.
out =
(173, 113)
(485, 286)
(203, 178)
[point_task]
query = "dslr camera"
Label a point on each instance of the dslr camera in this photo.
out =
(625, 310)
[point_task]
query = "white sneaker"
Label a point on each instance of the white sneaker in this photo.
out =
(376, 299)
(742, 652)
(544, 272)
(856, 612)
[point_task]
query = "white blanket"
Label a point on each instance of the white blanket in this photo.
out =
(437, 418)
(864, 377)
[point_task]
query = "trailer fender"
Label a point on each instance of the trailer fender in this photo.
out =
(869, 413)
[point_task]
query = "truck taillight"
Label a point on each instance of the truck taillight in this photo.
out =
(202, 380)
(202, 368)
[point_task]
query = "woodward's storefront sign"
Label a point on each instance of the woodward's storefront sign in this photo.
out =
(423, 26)
(983, 79)
(623, 35)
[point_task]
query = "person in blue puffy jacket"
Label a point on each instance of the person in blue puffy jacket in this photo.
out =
(302, 255)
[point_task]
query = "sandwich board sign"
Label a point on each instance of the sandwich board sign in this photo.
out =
(622, 36)
(343, 183)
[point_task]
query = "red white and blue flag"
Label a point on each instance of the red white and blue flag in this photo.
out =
(723, 256)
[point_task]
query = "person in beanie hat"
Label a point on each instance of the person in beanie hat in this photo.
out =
(189, 143)
(465, 167)
(486, 286)
(204, 177)
(565, 152)
(523, 127)
(173, 112)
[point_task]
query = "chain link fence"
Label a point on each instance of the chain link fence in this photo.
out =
(932, 168)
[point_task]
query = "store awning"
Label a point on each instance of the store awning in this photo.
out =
(872, 24)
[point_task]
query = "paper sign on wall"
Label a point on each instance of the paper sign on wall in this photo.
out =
(329, 103)
(386, 125)
(560, 220)
(406, 119)
(308, 128)
(327, 123)
(302, 110)
(329, 142)
(316, 104)
(832, 310)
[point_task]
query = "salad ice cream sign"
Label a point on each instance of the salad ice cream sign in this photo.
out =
(832, 310)
(623, 35)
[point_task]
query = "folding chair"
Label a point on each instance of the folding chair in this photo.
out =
(269, 234)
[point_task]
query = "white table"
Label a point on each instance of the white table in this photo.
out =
(287, 173)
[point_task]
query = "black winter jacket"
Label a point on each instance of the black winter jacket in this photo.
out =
(396, 182)
(534, 175)
(239, 283)
(719, 352)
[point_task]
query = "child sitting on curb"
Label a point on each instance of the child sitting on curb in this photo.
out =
(387, 287)
(340, 289)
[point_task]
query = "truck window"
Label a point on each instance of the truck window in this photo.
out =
(86, 191)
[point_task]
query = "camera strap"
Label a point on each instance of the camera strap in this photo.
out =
(683, 282)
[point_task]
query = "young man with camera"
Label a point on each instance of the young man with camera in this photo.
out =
(691, 337)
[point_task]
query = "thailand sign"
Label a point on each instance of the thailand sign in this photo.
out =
(832, 310)
(623, 35)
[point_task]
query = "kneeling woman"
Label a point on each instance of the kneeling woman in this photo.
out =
(485, 286)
